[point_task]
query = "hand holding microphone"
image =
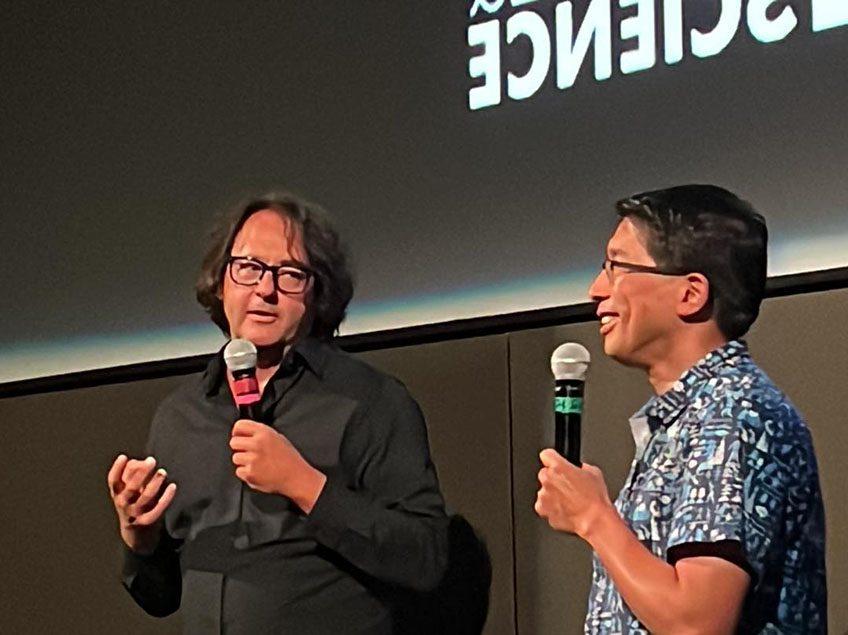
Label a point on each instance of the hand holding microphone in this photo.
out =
(265, 460)
(571, 495)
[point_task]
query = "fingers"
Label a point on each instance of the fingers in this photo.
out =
(113, 478)
(241, 443)
(539, 508)
(542, 495)
(137, 490)
(243, 458)
(135, 477)
(546, 502)
(549, 478)
(553, 459)
(152, 489)
(243, 473)
(245, 428)
(153, 515)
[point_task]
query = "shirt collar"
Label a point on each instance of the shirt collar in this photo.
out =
(313, 352)
(663, 410)
(308, 352)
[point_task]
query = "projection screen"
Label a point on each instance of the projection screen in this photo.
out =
(469, 152)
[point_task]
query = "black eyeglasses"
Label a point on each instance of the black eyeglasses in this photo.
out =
(609, 267)
(288, 278)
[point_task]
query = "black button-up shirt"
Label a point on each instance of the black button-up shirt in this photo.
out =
(241, 561)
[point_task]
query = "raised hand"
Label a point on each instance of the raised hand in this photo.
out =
(140, 497)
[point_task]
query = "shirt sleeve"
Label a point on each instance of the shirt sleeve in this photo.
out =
(383, 512)
(154, 581)
(728, 492)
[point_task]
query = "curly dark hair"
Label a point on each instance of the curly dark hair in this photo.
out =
(708, 230)
(333, 284)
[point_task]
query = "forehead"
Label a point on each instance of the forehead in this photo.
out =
(269, 236)
(628, 241)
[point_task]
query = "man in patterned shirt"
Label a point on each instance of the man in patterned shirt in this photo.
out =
(719, 526)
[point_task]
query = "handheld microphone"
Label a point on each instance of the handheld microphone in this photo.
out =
(569, 364)
(240, 358)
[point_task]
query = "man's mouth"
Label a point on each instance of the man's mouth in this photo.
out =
(608, 322)
(262, 316)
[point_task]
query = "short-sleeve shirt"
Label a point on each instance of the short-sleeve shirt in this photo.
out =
(725, 467)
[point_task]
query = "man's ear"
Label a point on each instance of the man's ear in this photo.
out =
(694, 303)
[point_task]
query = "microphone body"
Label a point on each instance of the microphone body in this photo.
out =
(568, 413)
(569, 364)
(240, 358)
(246, 393)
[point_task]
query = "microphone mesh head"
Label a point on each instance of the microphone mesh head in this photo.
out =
(240, 355)
(570, 361)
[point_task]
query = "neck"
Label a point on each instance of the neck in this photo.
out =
(681, 354)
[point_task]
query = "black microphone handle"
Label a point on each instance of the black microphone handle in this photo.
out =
(249, 411)
(245, 411)
(568, 410)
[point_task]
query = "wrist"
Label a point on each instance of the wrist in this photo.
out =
(597, 520)
(311, 488)
(140, 540)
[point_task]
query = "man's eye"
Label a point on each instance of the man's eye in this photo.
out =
(293, 274)
(248, 267)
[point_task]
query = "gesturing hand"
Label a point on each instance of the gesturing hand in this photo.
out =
(136, 489)
(570, 497)
(267, 461)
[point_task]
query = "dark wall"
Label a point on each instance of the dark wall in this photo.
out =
(61, 562)
(463, 388)
(487, 402)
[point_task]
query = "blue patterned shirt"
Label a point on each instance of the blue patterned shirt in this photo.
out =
(725, 467)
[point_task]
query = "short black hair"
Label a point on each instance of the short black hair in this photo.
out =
(708, 230)
(333, 284)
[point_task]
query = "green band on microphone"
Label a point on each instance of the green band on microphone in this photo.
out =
(568, 405)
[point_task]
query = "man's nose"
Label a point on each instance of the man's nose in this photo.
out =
(600, 287)
(267, 284)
